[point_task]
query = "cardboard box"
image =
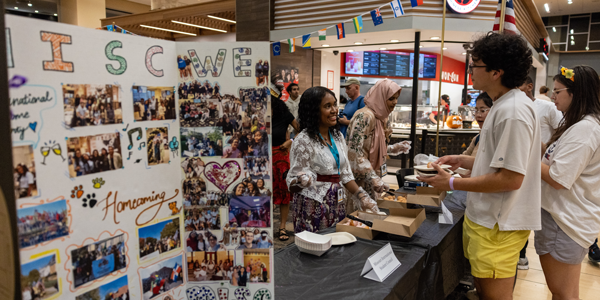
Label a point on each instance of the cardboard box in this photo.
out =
(426, 196)
(400, 221)
(356, 231)
(387, 204)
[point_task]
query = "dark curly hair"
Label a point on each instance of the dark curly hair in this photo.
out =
(585, 89)
(309, 112)
(507, 52)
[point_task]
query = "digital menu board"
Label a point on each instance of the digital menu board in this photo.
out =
(389, 63)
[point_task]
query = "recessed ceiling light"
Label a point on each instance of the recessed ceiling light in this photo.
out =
(350, 50)
(169, 30)
(571, 31)
(569, 2)
(554, 29)
(222, 19)
(324, 45)
(464, 53)
(357, 43)
(16, 7)
(194, 25)
(29, 4)
(36, 11)
(435, 38)
(587, 48)
(394, 41)
(420, 46)
(546, 7)
(572, 37)
(56, 15)
(382, 48)
(572, 43)
(444, 48)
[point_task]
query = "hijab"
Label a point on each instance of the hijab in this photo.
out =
(375, 100)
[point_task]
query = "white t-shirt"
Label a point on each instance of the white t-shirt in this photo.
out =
(549, 118)
(26, 180)
(574, 162)
(544, 97)
(510, 139)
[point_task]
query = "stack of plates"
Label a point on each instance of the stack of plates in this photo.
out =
(312, 243)
(424, 171)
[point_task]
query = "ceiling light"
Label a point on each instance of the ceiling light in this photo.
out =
(435, 38)
(572, 37)
(36, 11)
(217, 18)
(164, 29)
(587, 48)
(382, 48)
(569, 2)
(56, 15)
(29, 4)
(16, 7)
(420, 46)
(324, 45)
(554, 29)
(444, 48)
(571, 31)
(194, 25)
(358, 43)
(546, 7)
(394, 41)
(464, 53)
(350, 50)
(572, 43)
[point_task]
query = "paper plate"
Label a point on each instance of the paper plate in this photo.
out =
(341, 238)
(411, 178)
(425, 168)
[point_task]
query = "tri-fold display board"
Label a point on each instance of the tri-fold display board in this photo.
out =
(142, 167)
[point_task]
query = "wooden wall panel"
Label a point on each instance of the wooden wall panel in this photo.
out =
(253, 20)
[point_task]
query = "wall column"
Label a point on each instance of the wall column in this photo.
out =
(84, 13)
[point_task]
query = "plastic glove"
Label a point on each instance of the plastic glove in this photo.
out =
(303, 180)
(399, 148)
(364, 201)
(379, 186)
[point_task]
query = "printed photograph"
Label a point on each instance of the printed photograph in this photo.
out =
(258, 167)
(202, 217)
(99, 259)
(192, 167)
(199, 90)
(24, 171)
(114, 290)
(233, 147)
(254, 95)
(158, 146)
(92, 104)
(199, 112)
(210, 266)
(255, 116)
(250, 211)
(252, 188)
(284, 77)
(161, 277)
(204, 240)
(42, 223)
(246, 238)
(94, 154)
(159, 238)
(151, 103)
(39, 280)
(201, 141)
(262, 72)
(258, 265)
(206, 199)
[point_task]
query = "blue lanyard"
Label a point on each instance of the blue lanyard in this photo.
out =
(333, 149)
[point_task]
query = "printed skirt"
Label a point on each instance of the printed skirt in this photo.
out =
(313, 216)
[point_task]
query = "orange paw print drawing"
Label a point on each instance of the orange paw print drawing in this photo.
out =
(77, 192)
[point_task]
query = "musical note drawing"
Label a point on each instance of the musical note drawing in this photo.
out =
(137, 161)
(131, 132)
(125, 129)
(129, 155)
(143, 144)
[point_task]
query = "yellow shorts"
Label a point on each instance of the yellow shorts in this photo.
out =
(491, 252)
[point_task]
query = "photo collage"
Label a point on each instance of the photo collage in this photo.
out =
(227, 183)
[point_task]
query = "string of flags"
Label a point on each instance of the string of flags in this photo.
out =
(357, 22)
(114, 28)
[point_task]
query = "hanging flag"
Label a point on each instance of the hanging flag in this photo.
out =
(292, 43)
(323, 34)
(340, 31)
(397, 8)
(124, 31)
(510, 25)
(110, 27)
(376, 17)
(358, 24)
(415, 3)
(276, 48)
(306, 41)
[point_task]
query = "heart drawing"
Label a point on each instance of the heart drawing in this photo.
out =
(33, 126)
(222, 176)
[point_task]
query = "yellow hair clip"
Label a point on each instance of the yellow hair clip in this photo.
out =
(568, 73)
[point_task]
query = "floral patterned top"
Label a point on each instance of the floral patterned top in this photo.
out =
(311, 157)
(360, 140)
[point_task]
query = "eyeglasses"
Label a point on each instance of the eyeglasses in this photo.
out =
(556, 92)
(471, 66)
(481, 111)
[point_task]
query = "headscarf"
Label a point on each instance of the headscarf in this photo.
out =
(375, 100)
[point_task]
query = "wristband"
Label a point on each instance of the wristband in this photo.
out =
(452, 183)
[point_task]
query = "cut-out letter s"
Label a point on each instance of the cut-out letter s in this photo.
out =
(109, 54)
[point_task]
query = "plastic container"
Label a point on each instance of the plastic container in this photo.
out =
(312, 243)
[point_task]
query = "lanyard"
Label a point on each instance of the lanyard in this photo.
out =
(333, 149)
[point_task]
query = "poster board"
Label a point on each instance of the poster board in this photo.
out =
(103, 133)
